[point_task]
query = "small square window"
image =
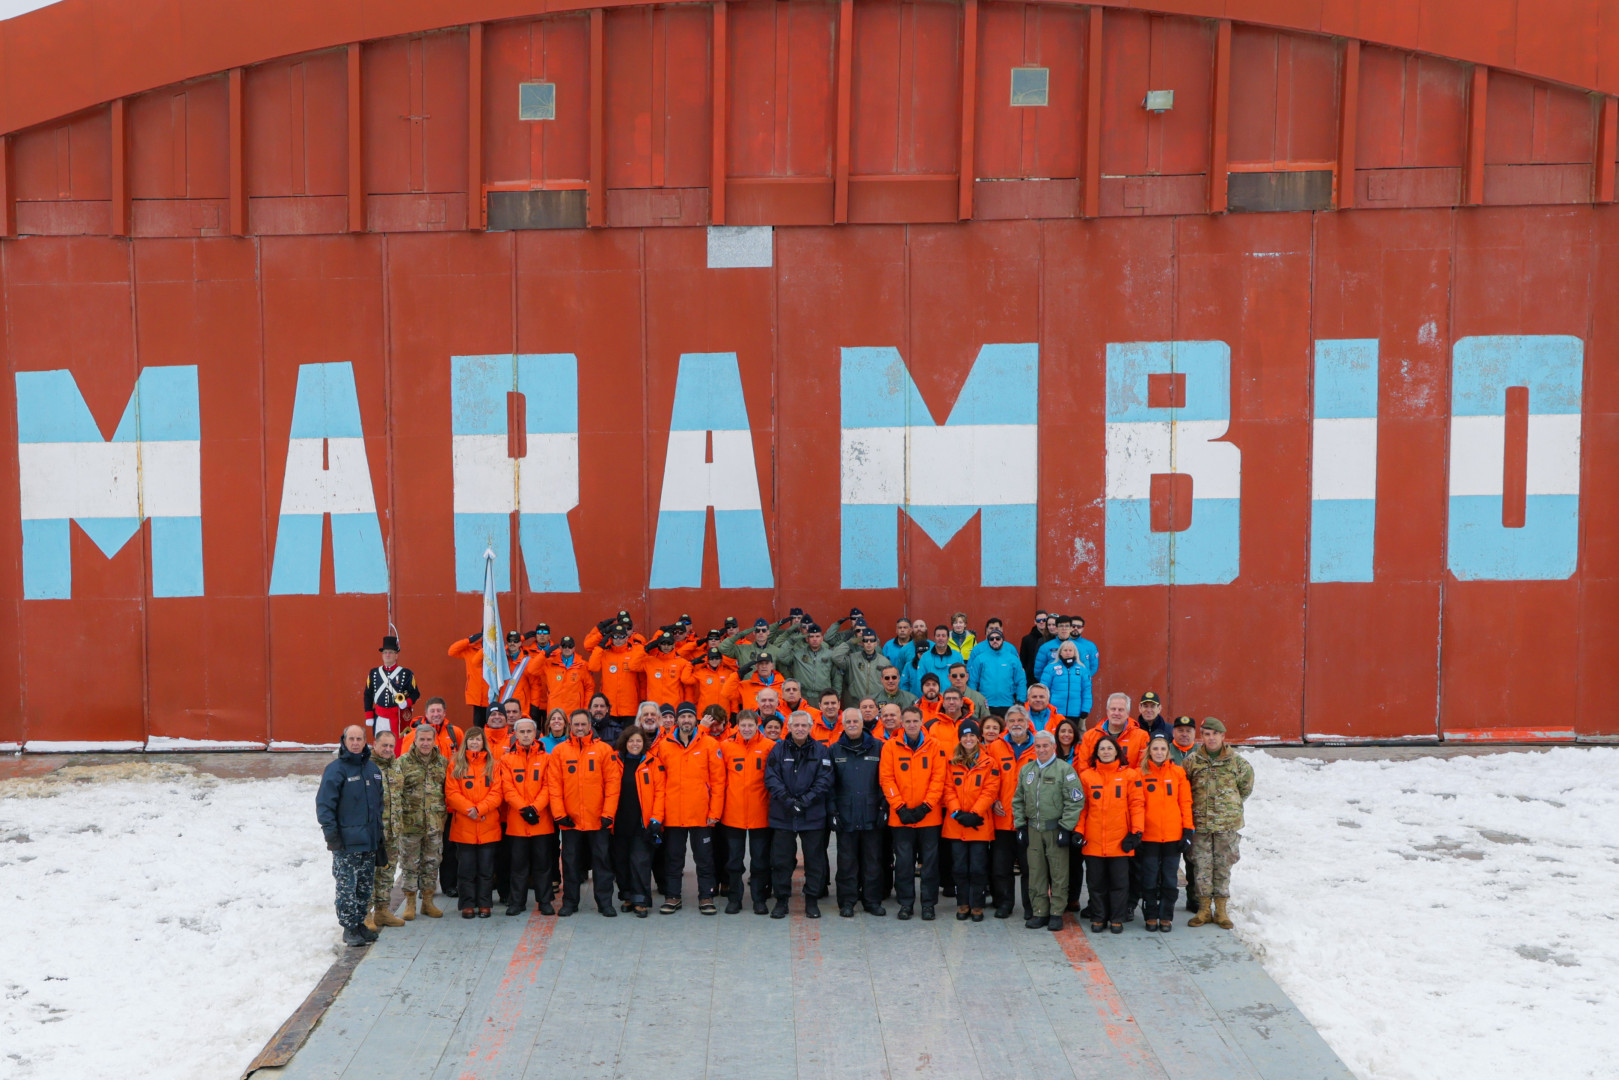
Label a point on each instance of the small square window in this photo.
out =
(536, 101)
(1031, 85)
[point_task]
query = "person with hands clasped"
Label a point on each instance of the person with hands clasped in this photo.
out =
(1112, 826)
(584, 783)
(525, 778)
(688, 804)
(1165, 835)
(636, 835)
(798, 775)
(746, 818)
(472, 794)
(350, 811)
(1046, 808)
(912, 773)
(972, 787)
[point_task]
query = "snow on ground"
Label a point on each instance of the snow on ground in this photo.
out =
(158, 926)
(1441, 918)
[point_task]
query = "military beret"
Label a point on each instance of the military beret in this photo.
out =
(1214, 723)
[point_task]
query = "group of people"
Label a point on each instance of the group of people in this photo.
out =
(943, 763)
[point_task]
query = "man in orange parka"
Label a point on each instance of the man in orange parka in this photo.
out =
(469, 650)
(746, 814)
(662, 672)
(610, 667)
(706, 682)
(568, 685)
(583, 781)
(912, 774)
(763, 676)
(689, 801)
(1131, 739)
(530, 832)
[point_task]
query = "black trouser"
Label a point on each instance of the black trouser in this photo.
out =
(826, 847)
(632, 861)
(476, 874)
(1134, 886)
(1076, 872)
(447, 861)
(972, 872)
(911, 841)
(1158, 864)
(1110, 884)
(1004, 854)
(755, 844)
(784, 856)
(586, 851)
(947, 864)
(722, 856)
(999, 710)
(702, 853)
(1191, 881)
(860, 867)
(532, 860)
(503, 866)
(480, 716)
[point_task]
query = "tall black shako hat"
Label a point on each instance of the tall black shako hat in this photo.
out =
(389, 643)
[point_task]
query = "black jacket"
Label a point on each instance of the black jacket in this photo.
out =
(857, 792)
(349, 802)
(1029, 650)
(802, 775)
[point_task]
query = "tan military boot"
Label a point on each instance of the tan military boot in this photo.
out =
(383, 917)
(1220, 919)
(371, 920)
(410, 907)
(429, 908)
(1202, 918)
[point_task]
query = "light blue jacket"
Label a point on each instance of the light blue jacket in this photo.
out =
(911, 677)
(1070, 686)
(997, 674)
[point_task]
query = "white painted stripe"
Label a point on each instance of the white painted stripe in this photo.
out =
(1138, 449)
(110, 479)
(1554, 454)
(487, 481)
(729, 482)
(949, 465)
(342, 486)
(548, 478)
(1343, 461)
(1478, 454)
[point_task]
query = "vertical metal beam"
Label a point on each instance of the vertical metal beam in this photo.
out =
(118, 208)
(476, 213)
(8, 190)
(597, 208)
(1219, 144)
(966, 172)
(840, 161)
(1607, 145)
(1343, 177)
(718, 79)
(1478, 99)
(236, 136)
(1091, 192)
(356, 148)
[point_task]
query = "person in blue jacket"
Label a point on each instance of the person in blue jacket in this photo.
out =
(1070, 683)
(348, 806)
(900, 649)
(937, 660)
(1063, 626)
(1089, 654)
(798, 776)
(996, 671)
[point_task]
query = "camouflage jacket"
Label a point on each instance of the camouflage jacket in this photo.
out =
(420, 795)
(392, 797)
(1219, 787)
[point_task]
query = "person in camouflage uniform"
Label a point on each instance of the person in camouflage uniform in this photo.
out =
(419, 823)
(1221, 781)
(382, 886)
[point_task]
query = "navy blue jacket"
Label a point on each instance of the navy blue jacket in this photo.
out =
(349, 802)
(857, 792)
(802, 775)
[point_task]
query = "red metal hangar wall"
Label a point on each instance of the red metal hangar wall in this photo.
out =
(1270, 336)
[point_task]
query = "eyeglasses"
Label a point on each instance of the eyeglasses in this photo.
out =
(890, 678)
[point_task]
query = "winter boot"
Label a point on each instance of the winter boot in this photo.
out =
(1202, 918)
(430, 909)
(383, 917)
(410, 907)
(371, 919)
(353, 937)
(1220, 918)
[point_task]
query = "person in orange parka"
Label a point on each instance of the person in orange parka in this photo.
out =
(706, 682)
(745, 689)
(1111, 823)
(469, 650)
(1165, 834)
(662, 672)
(635, 838)
(617, 681)
(583, 782)
(912, 775)
(446, 734)
(568, 685)
(1124, 730)
(688, 804)
(826, 725)
(972, 787)
(1004, 851)
(532, 836)
(472, 795)
(745, 817)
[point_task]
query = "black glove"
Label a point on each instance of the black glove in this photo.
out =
(655, 830)
(1129, 843)
(923, 811)
(1186, 839)
(1084, 716)
(564, 822)
(606, 624)
(530, 815)
(383, 862)
(798, 808)
(334, 843)
(908, 815)
(1063, 836)
(834, 823)
(968, 818)
(607, 822)
(531, 635)
(473, 639)
(1023, 837)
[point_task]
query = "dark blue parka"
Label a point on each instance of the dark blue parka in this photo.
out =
(802, 775)
(857, 792)
(349, 802)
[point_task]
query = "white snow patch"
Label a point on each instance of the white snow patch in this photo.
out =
(157, 928)
(1441, 918)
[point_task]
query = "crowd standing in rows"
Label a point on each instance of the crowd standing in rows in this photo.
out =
(943, 762)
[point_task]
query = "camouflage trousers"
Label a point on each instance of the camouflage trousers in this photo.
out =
(382, 883)
(353, 871)
(1213, 855)
(418, 858)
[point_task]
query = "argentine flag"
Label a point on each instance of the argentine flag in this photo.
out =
(495, 671)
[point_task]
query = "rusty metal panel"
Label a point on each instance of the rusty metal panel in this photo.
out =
(415, 105)
(12, 684)
(537, 152)
(1149, 52)
(1275, 192)
(782, 100)
(658, 99)
(1284, 96)
(1030, 141)
(906, 87)
(177, 142)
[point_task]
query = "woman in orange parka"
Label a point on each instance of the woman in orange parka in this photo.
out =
(524, 775)
(972, 786)
(745, 819)
(1165, 834)
(1111, 825)
(473, 796)
(635, 836)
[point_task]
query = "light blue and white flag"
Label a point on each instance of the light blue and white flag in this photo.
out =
(495, 670)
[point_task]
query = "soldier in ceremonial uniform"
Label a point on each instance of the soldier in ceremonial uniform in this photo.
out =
(390, 693)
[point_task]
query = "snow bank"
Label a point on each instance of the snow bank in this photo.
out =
(1441, 919)
(162, 926)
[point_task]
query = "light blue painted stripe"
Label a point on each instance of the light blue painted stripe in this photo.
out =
(47, 559)
(941, 523)
(1132, 553)
(1002, 388)
(109, 533)
(164, 405)
(359, 563)
(549, 383)
(51, 409)
(478, 389)
(1345, 378)
(1006, 555)
(877, 390)
(1206, 365)
(677, 550)
(1341, 538)
(177, 556)
(474, 533)
(1550, 365)
(327, 406)
(1207, 553)
(547, 553)
(744, 549)
(1545, 549)
(296, 569)
(708, 394)
(870, 552)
